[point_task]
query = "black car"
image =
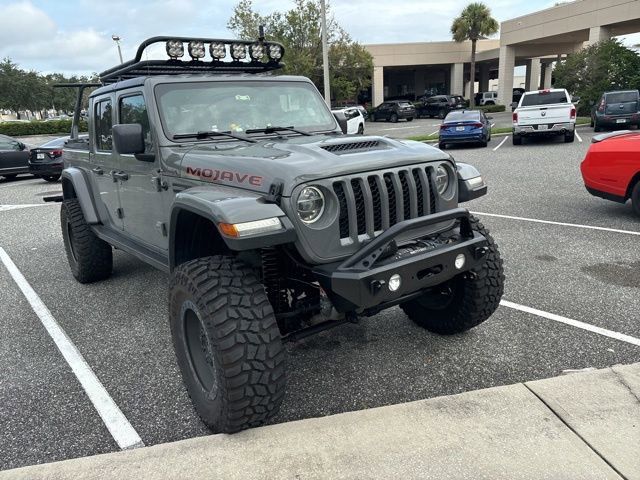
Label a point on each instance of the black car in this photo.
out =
(45, 161)
(393, 111)
(14, 157)
(440, 105)
(616, 109)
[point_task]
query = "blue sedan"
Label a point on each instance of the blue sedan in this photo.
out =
(465, 126)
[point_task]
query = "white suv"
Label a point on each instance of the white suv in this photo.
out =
(488, 98)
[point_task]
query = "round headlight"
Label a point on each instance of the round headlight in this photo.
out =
(442, 179)
(310, 204)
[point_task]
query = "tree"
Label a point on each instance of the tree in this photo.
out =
(606, 65)
(475, 22)
(299, 31)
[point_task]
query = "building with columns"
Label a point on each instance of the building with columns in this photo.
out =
(534, 41)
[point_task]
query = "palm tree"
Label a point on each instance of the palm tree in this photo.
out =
(475, 22)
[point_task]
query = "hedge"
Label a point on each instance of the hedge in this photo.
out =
(491, 108)
(21, 129)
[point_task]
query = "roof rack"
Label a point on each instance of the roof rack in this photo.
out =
(262, 56)
(76, 112)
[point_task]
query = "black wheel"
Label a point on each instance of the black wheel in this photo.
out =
(591, 122)
(227, 343)
(635, 198)
(393, 118)
(372, 117)
(596, 127)
(442, 113)
(484, 142)
(361, 129)
(464, 301)
(410, 119)
(90, 258)
(569, 137)
(442, 146)
(517, 140)
(51, 178)
(10, 177)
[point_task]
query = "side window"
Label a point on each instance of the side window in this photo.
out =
(103, 125)
(133, 110)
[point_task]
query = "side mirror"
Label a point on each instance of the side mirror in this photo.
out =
(341, 118)
(129, 140)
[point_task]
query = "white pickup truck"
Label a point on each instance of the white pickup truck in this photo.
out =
(544, 112)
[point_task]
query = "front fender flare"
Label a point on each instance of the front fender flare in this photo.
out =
(80, 184)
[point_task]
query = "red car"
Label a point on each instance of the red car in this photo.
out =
(611, 169)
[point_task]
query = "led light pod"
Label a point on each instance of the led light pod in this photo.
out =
(196, 49)
(238, 51)
(257, 51)
(275, 52)
(218, 50)
(175, 49)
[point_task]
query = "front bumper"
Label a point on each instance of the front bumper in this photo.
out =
(361, 283)
(544, 129)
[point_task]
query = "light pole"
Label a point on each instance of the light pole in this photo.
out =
(116, 39)
(325, 55)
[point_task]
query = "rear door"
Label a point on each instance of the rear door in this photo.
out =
(621, 103)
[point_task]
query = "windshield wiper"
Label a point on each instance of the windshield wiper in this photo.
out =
(204, 134)
(277, 129)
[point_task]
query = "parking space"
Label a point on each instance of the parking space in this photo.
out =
(120, 325)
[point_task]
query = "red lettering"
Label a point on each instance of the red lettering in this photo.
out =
(255, 180)
(241, 178)
(226, 176)
(193, 171)
(207, 173)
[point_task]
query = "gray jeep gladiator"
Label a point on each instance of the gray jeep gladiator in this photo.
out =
(271, 222)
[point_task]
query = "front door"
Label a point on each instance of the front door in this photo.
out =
(140, 188)
(104, 162)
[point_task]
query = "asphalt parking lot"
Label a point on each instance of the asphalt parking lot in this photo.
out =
(582, 282)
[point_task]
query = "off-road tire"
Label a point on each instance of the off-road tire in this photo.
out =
(90, 258)
(51, 178)
(635, 198)
(517, 140)
(393, 118)
(569, 137)
(475, 295)
(245, 358)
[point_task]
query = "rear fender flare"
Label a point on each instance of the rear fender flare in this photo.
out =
(75, 185)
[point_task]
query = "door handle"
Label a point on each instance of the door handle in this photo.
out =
(97, 171)
(120, 175)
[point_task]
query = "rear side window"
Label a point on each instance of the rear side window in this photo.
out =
(545, 98)
(103, 125)
(621, 97)
(134, 110)
(405, 104)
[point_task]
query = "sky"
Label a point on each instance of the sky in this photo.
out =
(74, 36)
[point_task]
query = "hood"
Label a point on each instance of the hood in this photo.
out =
(300, 159)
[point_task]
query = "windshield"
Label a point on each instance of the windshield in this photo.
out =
(235, 106)
(546, 98)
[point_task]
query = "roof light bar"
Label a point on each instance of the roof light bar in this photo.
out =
(196, 49)
(175, 49)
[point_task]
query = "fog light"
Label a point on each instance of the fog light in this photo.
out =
(394, 282)
(460, 261)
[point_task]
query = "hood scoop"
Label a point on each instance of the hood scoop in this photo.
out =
(354, 147)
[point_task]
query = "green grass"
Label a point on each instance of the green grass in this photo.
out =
(494, 131)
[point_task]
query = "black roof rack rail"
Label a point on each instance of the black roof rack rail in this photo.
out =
(247, 56)
(76, 113)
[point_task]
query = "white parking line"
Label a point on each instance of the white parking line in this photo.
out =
(493, 125)
(434, 132)
(501, 143)
(574, 323)
(4, 208)
(579, 137)
(563, 224)
(115, 421)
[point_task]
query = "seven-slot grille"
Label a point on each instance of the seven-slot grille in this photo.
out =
(373, 203)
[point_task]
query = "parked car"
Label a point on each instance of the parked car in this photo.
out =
(440, 105)
(362, 109)
(615, 109)
(465, 126)
(14, 157)
(46, 162)
(544, 113)
(394, 110)
(488, 98)
(611, 168)
(355, 119)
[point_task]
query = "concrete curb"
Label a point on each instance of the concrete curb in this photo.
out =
(579, 426)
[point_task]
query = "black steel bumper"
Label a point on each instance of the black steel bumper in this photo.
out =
(361, 282)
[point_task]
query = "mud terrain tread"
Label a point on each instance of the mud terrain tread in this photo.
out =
(94, 257)
(480, 299)
(245, 339)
